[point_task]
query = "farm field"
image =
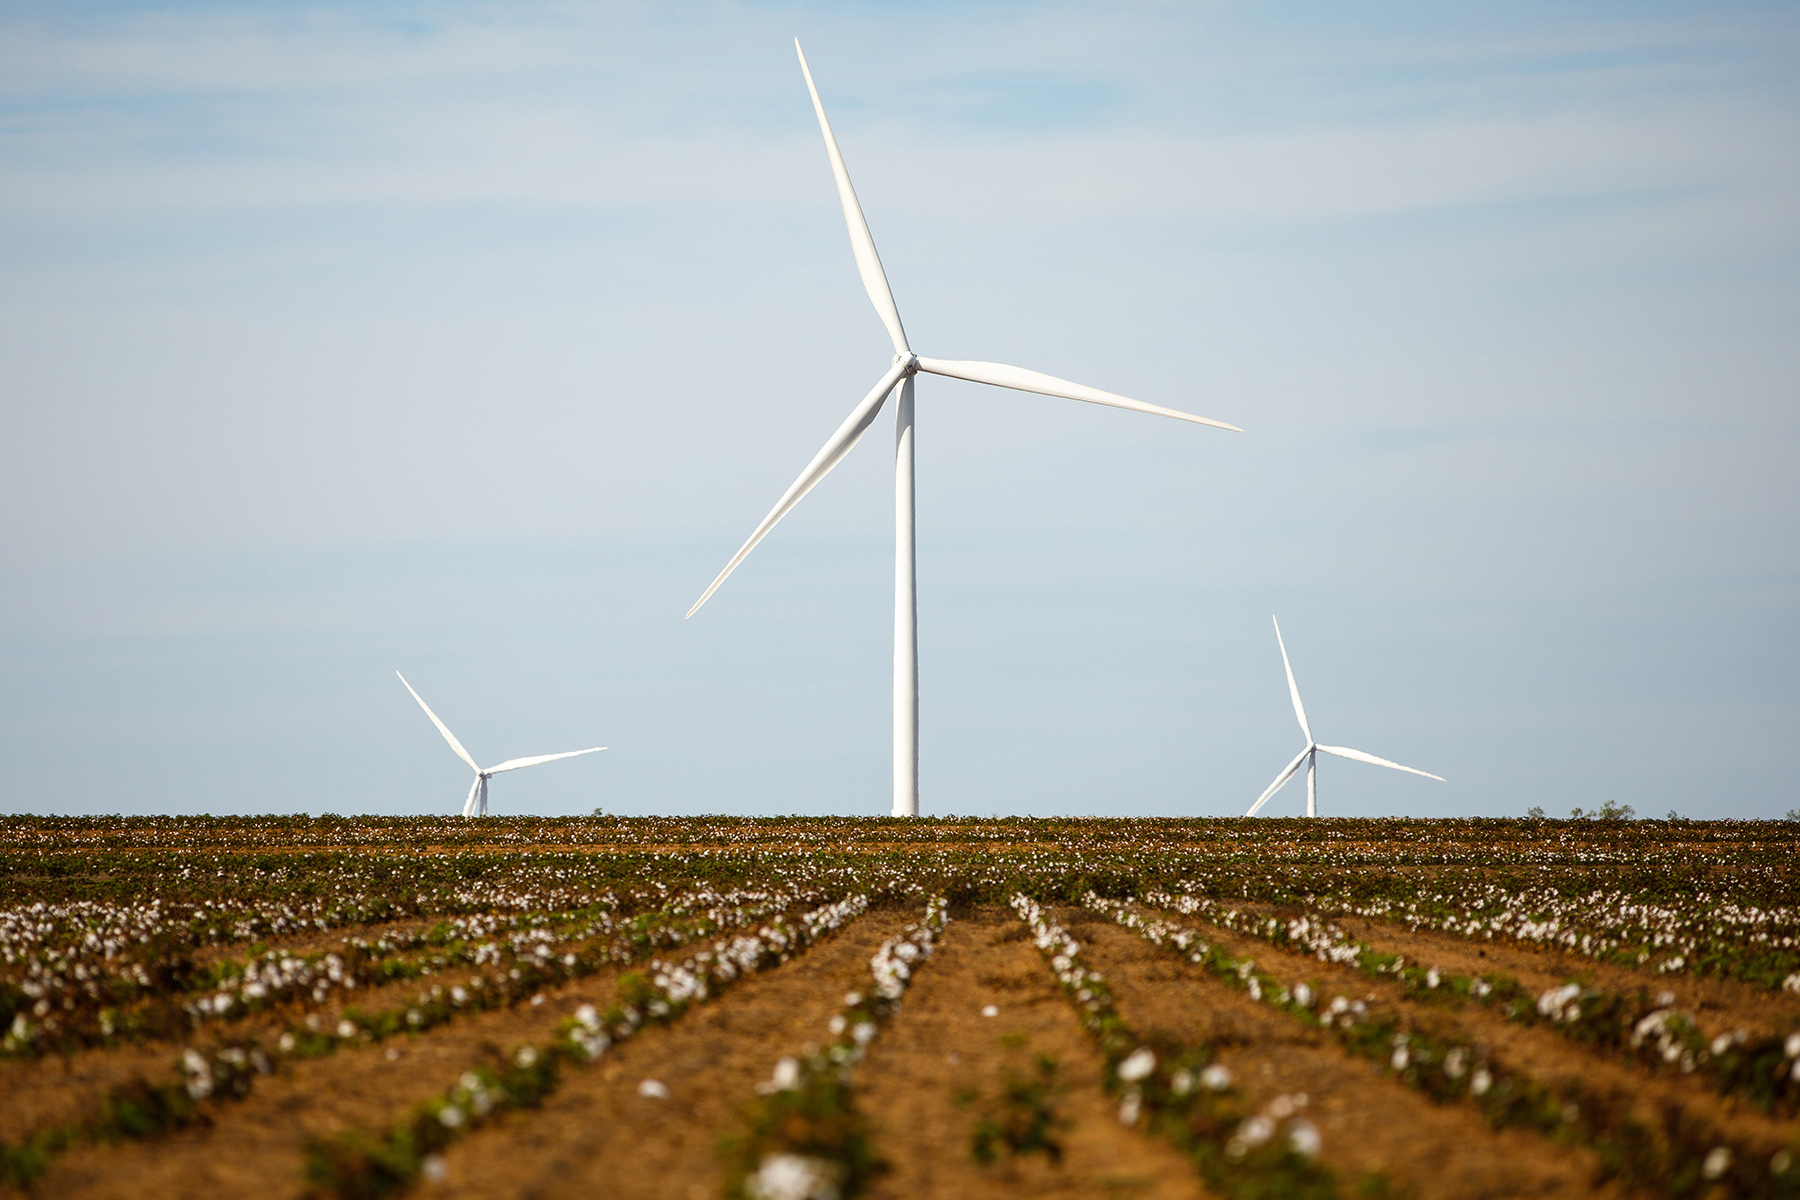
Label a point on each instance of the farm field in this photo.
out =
(801, 1007)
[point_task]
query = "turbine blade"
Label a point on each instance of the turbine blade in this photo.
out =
(1019, 379)
(513, 764)
(1279, 781)
(841, 443)
(1359, 756)
(1293, 688)
(474, 793)
(442, 728)
(868, 263)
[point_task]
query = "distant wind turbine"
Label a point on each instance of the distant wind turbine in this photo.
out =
(476, 804)
(905, 366)
(1310, 755)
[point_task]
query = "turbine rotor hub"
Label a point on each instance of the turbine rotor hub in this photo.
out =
(909, 360)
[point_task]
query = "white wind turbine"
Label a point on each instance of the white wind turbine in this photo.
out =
(476, 804)
(905, 366)
(1310, 755)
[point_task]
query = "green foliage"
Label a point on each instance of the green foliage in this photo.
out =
(1023, 1119)
(818, 1120)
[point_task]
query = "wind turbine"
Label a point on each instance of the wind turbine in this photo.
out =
(1310, 755)
(476, 804)
(904, 367)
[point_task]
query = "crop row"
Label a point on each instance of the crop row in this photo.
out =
(1761, 1067)
(1180, 1091)
(143, 1108)
(1679, 1154)
(807, 1136)
(359, 1162)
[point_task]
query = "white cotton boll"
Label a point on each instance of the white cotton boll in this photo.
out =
(851, 1000)
(787, 1075)
(1481, 1082)
(793, 1177)
(990, 1010)
(434, 1168)
(1792, 1048)
(526, 1057)
(1216, 1078)
(1304, 1139)
(1256, 1130)
(1303, 995)
(653, 1089)
(345, 1029)
(837, 1025)
(1182, 1082)
(450, 1116)
(1717, 1162)
(1130, 1107)
(1400, 1058)
(1138, 1065)
(864, 1033)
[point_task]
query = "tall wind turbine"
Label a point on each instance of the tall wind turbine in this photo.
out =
(904, 367)
(476, 804)
(1310, 755)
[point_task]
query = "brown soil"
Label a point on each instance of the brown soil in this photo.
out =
(1369, 1123)
(596, 1136)
(1541, 1053)
(255, 1146)
(941, 1045)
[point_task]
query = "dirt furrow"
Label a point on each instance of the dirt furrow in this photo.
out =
(1369, 1123)
(598, 1135)
(942, 1066)
(254, 1146)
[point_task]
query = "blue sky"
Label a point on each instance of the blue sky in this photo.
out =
(472, 341)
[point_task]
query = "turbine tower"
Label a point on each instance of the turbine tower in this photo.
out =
(476, 804)
(1310, 755)
(904, 367)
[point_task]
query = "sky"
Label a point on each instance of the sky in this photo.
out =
(472, 340)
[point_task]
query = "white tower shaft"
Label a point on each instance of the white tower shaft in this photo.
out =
(906, 614)
(1312, 784)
